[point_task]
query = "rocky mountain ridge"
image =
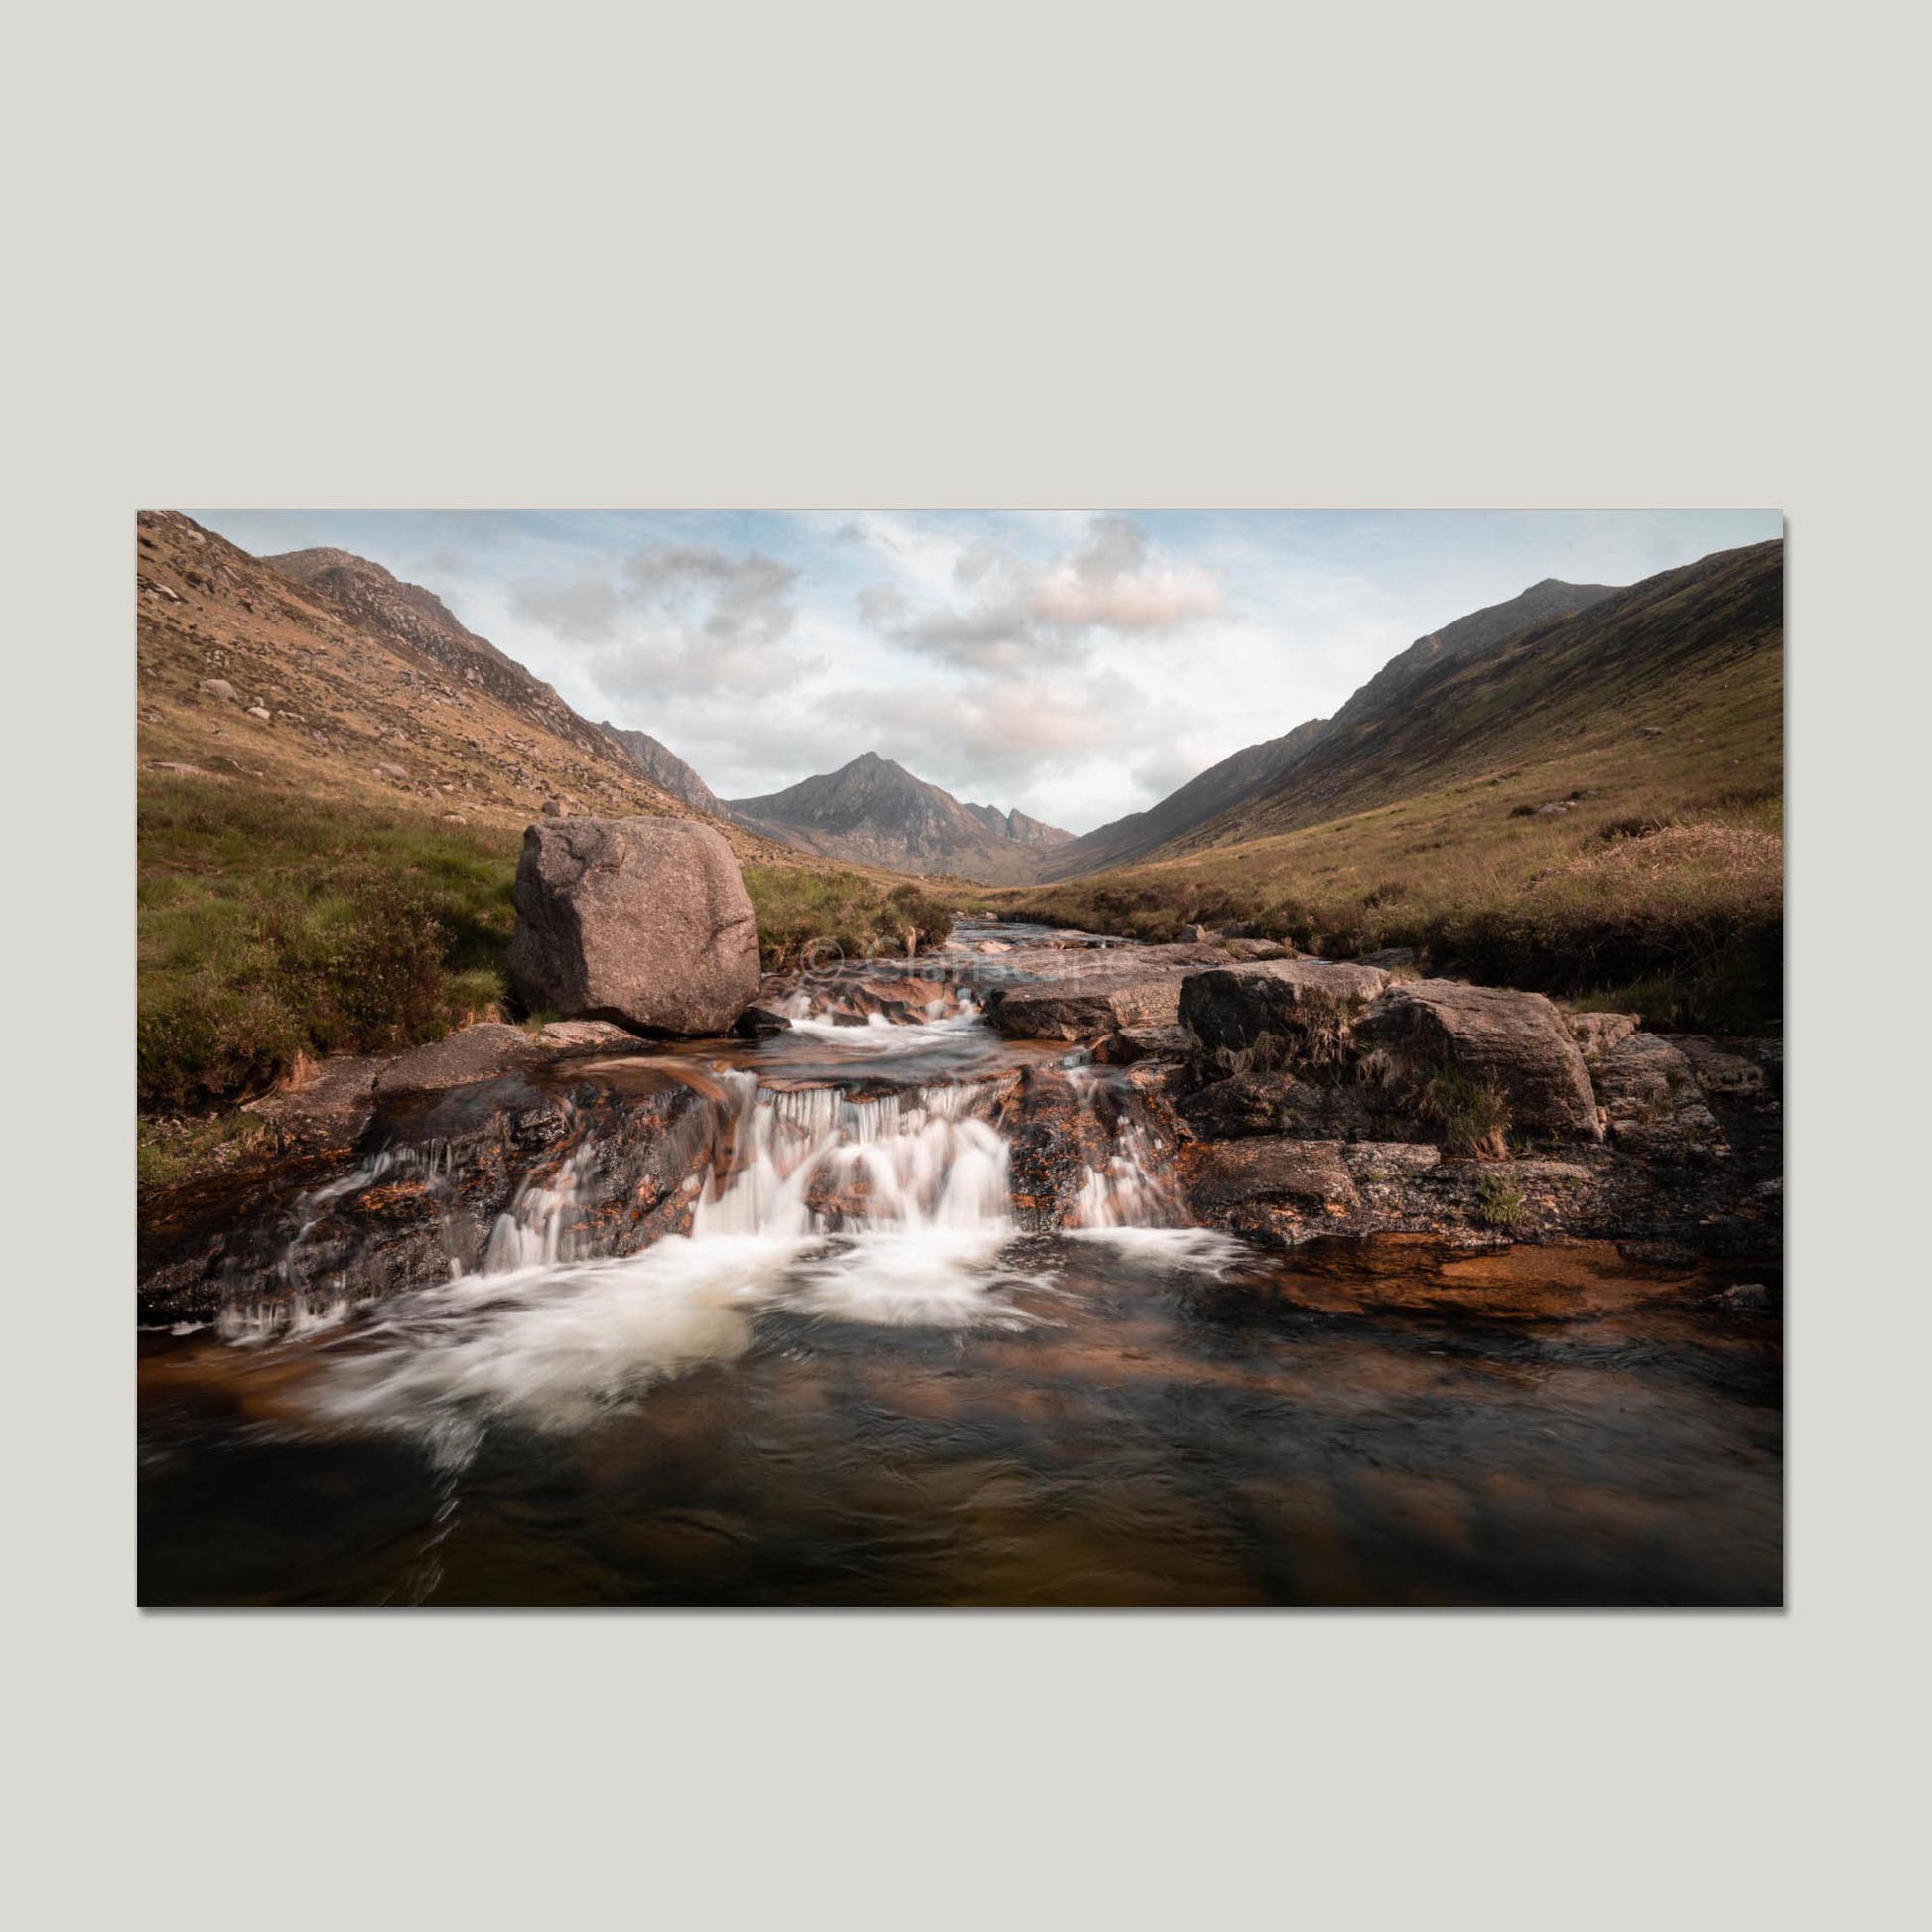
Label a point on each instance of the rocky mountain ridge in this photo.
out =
(662, 767)
(334, 680)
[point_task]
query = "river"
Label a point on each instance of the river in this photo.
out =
(863, 1378)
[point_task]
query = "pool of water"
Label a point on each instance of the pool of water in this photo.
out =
(950, 1414)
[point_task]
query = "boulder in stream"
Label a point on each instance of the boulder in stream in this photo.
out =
(1275, 1013)
(1515, 1042)
(644, 922)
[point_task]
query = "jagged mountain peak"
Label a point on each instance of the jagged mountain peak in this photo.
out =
(872, 809)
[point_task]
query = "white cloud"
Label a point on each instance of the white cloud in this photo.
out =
(1077, 666)
(1000, 610)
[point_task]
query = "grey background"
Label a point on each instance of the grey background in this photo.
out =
(1062, 255)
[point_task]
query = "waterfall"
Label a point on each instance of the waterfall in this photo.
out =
(814, 1161)
(1134, 1186)
(834, 1181)
(535, 1231)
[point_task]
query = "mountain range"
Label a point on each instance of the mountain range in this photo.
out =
(326, 675)
(351, 682)
(1257, 767)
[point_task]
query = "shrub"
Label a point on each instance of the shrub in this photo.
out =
(1474, 1115)
(1500, 1203)
(798, 909)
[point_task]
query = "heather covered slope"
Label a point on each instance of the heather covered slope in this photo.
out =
(1593, 806)
(352, 688)
(1225, 785)
(1646, 661)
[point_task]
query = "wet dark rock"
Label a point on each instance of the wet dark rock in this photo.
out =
(1515, 1042)
(1056, 1136)
(1749, 1297)
(1277, 1013)
(1391, 959)
(1242, 1104)
(1132, 1044)
(1270, 1188)
(760, 1022)
(644, 922)
(421, 1197)
(1319, 1109)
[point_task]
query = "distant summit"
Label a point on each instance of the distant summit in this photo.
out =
(876, 812)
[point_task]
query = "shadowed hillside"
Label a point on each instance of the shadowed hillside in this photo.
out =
(1593, 805)
(1223, 787)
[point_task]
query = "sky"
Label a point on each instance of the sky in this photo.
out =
(1077, 665)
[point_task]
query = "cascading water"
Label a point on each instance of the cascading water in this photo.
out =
(843, 1198)
(884, 1308)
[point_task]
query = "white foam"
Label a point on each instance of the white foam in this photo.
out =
(892, 1210)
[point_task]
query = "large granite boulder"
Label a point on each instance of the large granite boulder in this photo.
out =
(1274, 1012)
(1514, 1042)
(644, 921)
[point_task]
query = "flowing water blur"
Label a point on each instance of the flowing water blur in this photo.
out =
(911, 1400)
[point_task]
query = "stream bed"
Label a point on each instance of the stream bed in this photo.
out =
(861, 1379)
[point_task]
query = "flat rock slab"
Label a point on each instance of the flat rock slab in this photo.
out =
(336, 1099)
(586, 1036)
(1310, 1176)
(1086, 995)
(479, 1053)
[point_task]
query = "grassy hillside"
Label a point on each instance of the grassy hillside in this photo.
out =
(331, 800)
(273, 925)
(1593, 807)
(1694, 656)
